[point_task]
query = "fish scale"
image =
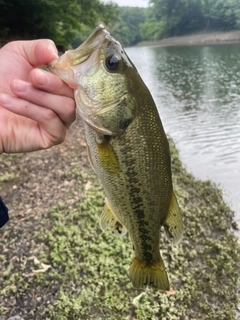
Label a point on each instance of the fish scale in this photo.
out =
(143, 222)
(128, 150)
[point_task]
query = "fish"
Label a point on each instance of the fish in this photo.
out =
(127, 149)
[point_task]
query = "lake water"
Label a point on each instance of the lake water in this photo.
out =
(197, 91)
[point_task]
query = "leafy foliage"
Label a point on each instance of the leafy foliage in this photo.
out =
(59, 20)
(127, 28)
(71, 21)
(177, 17)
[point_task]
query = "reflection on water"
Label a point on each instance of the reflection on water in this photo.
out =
(197, 91)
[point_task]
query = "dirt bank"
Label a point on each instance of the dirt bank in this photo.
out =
(198, 39)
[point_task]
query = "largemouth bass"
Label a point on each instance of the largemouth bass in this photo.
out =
(127, 149)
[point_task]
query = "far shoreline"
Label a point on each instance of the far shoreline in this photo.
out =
(201, 38)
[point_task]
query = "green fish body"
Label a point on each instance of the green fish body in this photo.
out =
(127, 149)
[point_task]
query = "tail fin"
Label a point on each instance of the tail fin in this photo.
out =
(144, 275)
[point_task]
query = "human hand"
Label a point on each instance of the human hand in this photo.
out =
(36, 107)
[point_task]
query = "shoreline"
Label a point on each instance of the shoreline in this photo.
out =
(200, 38)
(57, 264)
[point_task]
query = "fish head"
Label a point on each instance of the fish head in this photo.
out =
(104, 80)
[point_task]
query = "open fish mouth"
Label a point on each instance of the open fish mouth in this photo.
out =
(66, 66)
(85, 70)
(94, 41)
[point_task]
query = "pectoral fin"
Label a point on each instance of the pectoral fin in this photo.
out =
(107, 157)
(173, 224)
(110, 221)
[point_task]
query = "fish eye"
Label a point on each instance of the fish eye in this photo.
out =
(112, 63)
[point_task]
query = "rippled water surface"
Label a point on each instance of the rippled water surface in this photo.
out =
(197, 91)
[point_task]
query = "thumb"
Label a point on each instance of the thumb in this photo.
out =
(39, 52)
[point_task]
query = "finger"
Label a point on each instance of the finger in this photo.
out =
(63, 106)
(49, 82)
(47, 119)
(38, 52)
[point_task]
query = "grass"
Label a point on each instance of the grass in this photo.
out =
(70, 269)
(7, 162)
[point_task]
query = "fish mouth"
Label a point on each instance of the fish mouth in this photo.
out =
(67, 67)
(73, 66)
(95, 40)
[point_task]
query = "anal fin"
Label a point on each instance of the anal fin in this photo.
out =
(109, 220)
(173, 223)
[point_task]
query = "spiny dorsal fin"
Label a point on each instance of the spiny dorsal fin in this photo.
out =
(173, 224)
(109, 220)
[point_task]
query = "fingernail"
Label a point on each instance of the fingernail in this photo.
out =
(19, 85)
(53, 48)
(41, 77)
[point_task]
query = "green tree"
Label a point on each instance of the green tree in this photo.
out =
(177, 17)
(59, 20)
(127, 28)
(221, 14)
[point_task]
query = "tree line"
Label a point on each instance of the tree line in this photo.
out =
(69, 22)
(59, 20)
(166, 18)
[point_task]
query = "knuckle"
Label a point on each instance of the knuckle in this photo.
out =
(60, 139)
(69, 111)
(49, 115)
(71, 106)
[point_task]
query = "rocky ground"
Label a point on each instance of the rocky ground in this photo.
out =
(57, 264)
